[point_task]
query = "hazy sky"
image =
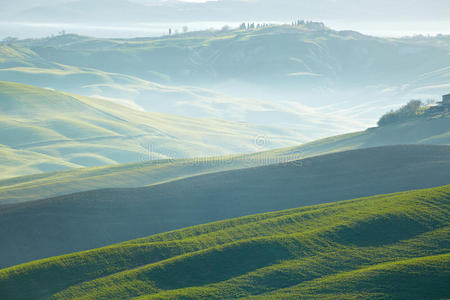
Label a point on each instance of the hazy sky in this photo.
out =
(126, 18)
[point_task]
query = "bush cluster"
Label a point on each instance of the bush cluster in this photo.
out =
(412, 109)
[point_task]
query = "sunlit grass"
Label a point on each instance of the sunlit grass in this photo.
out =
(362, 247)
(64, 127)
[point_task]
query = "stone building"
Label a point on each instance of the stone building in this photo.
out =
(446, 100)
(440, 107)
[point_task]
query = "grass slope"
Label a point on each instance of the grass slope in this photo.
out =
(392, 246)
(46, 185)
(67, 131)
(115, 215)
(279, 55)
(419, 131)
(317, 81)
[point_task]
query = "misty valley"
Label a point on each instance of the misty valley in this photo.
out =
(159, 150)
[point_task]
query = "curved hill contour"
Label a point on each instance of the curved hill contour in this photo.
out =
(385, 247)
(81, 221)
(20, 189)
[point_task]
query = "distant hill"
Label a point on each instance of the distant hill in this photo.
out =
(385, 247)
(55, 226)
(279, 55)
(312, 78)
(42, 130)
(414, 131)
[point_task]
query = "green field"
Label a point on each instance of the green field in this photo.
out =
(316, 81)
(116, 215)
(194, 166)
(392, 246)
(20, 189)
(42, 131)
(279, 55)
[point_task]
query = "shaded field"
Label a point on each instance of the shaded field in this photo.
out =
(21, 189)
(384, 247)
(55, 226)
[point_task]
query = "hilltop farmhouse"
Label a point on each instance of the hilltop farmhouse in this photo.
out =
(441, 107)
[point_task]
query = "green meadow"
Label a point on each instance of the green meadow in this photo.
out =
(43, 130)
(224, 164)
(392, 246)
(119, 214)
(272, 75)
(421, 130)
(279, 55)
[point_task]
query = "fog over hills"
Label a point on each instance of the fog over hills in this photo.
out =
(434, 131)
(307, 77)
(43, 130)
(313, 134)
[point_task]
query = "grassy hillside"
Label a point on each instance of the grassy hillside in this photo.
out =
(46, 185)
(43, 130)
(20, 189)
(273, 54)
(320, 81)
(115, 215)
(421, 130)
(392, 246)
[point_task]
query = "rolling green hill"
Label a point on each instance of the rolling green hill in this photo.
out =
(20, 189)
(317, 80)
(421, 130)
(275, 54)
(392, 246)
(42, 130)
(115, 215)
(46, 185)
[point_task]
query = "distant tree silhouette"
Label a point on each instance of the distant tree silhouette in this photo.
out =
(10, 39)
